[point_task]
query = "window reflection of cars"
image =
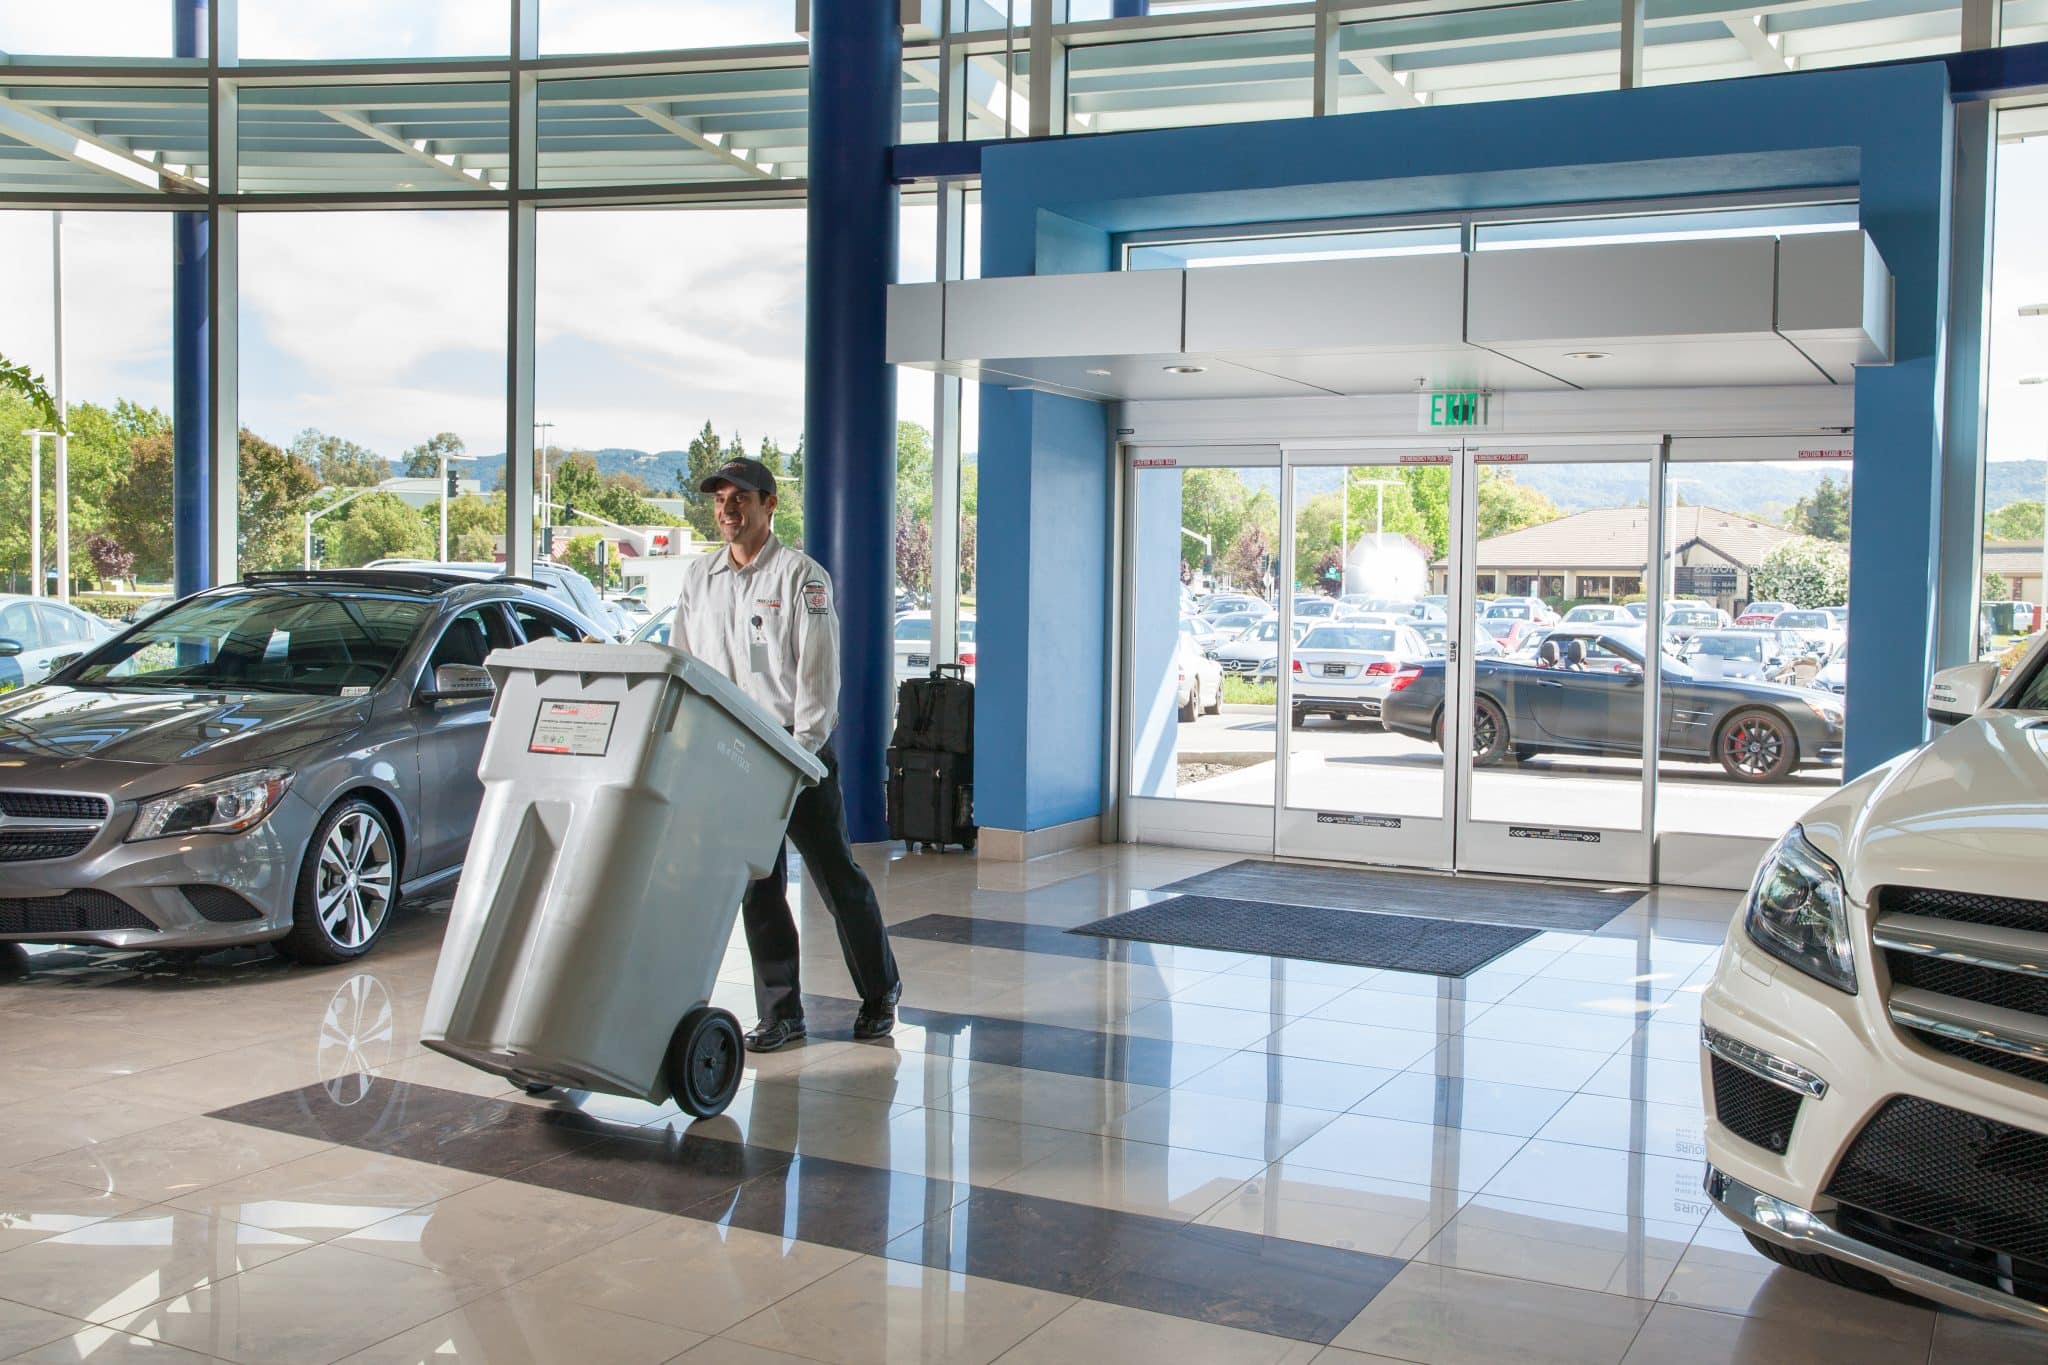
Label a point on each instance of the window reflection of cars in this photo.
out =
(1731, 654)
(913, 645)
(39, 636)
(1342, 671)
(1588, 612)
(276, 760)
(1756, 731)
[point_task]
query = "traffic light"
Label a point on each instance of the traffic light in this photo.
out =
(569, 511)
(319, 547)
(454, 484)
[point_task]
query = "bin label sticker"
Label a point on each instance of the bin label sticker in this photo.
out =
(1569, 836)
(573, 727)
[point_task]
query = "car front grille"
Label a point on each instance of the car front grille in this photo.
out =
(1968, 975)
(26, 846)
(1753, 1108)
(52, 806)
(71, 913)
(1952, 1189)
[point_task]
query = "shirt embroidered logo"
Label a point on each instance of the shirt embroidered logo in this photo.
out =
(814, 598)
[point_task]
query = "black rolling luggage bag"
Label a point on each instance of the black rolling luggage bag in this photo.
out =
(931, 761)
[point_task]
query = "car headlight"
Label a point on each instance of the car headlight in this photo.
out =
(1798, 912)
(1829, 714)
(227, 806)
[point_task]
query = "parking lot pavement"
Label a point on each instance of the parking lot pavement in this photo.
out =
(1357, 766)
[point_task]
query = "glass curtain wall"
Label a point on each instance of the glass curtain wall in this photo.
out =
(2013, 589)
(90, 510)
(369, 414)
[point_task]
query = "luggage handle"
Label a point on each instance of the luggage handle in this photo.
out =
(957, 670)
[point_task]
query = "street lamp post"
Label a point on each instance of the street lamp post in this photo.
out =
(1379, 521)
(2038, 310)
(35, 509)
(313, 515)
(547, 494)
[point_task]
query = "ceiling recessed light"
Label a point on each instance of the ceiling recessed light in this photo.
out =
(1585, 355)
(1100, 374)
(1184, 369)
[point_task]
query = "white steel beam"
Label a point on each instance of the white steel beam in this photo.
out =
(718, 144)
(1390, 82)
(45, 132)
(421, 151)
(1748, 30)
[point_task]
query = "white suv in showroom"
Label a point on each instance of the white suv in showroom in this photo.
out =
(1875, 1039)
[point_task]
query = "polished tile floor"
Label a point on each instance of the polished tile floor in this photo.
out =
(1072, 1150)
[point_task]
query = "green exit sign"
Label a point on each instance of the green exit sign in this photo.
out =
(1448, 410)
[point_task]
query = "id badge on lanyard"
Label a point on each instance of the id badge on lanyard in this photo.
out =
(757, 647)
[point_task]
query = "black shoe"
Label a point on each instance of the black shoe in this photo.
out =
(771, 1034)
(877, 1018)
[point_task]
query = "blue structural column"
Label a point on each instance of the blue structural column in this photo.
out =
(849, 391)
(1130, 9)
(192, 437)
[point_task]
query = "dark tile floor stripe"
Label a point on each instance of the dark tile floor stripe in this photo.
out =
(1314, 933)
(1264, 1284)
(1478, 900)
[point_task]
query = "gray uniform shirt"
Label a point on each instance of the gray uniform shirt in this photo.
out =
(770, 627)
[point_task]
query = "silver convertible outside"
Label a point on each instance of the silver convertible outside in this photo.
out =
(280, 759)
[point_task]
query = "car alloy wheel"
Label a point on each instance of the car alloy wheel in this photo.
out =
(1489, 732)
(353, 884)
(1756, 746)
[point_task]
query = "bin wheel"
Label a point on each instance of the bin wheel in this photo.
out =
(705, 1059)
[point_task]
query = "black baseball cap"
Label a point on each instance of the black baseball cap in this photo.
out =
(742, 473)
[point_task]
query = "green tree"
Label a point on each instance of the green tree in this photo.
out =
(580, 554)
(423, 461)
(705, 455)
(273, 487)
(1505, 505)
(2014, 521)
(1807, 572)
(483, 512)
(1823, 513)
(378, 526)
(576, 484)
(473, 546)
(789, 506)
(1250, 557)
(1996, 589)
(138, 505)
(27, 384)
(341, 463)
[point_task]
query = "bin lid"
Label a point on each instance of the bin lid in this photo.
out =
(588, 660)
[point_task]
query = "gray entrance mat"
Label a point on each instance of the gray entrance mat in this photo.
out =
(1477, 900)
(1358, 938)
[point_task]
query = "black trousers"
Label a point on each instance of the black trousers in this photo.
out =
(818, 829)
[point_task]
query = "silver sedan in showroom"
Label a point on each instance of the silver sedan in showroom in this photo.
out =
(281, 759)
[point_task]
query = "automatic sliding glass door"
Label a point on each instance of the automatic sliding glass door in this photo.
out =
(1562, 673)
(1367, 633)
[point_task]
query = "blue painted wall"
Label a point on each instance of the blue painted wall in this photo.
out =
(1050, 207)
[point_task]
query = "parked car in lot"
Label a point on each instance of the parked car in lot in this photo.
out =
(1762, 613)
(1733, 654)
(1815, 629)
(1683, 620)
(1314, 608)
(1227, 603)
(1233, 624)
(1509, 632)
(39, 636)
(913, 645)
(1871, 1041)
(1258, 645)
(1597, 612)
(278, 760)
(1198, 690)
(1342, 671)
(1206, 637)
(1521, 609)
(1834, 675)
(572, 588)
(1592, 703)
(633, 602)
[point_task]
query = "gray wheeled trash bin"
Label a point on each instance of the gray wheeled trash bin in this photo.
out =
(630, 794)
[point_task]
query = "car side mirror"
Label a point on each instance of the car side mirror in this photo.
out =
(1959, 693)
(459, 682)
(9, 648)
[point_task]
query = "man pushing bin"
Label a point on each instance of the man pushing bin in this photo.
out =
(762, 614)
